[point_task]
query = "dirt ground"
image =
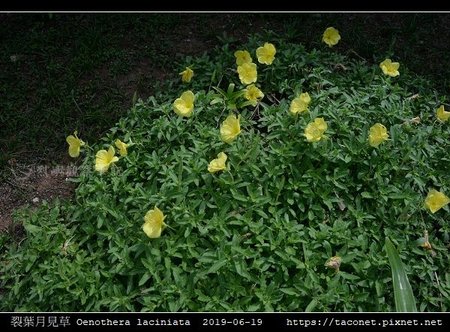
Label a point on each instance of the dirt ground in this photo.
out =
(29, 185)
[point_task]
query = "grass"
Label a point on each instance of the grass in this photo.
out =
(58, 84)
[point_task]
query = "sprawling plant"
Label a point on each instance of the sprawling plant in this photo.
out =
(251, 186)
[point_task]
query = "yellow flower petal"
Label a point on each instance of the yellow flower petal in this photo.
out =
(242, 57)
(377, 134)
(253, 94)
(442, 115)
(321, 124)
(305, 98)
(390, 68)
(122, 147)
(74, 145)
(436, 200)
(184, 106)
(312, 134)
(266, 53)
(218, 164)
(331, 36)
(104, 159)
(300, 104)
(74, 151)
(230, 128)
(314, 131)
(154, 223)
(71, 140)
(186, 75)
(247, 73)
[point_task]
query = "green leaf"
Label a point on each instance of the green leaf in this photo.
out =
(31, 229)
(311, 306)
(253, 307)
(241, 269)
(238, 196)
(216, 101)
(216, 266)
(230, 88)
(289, 291)
(404, 297)
(144, 278)
(348, 276)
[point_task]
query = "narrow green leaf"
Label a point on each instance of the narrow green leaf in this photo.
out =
(241, 269)
(289, 291)
(404, 297)
(134, 100)
(238, 196)
(230, 88)
(31, 229)
(216, 101)
(348, 276)
(253, 307)
(216, 266)
(311, 306)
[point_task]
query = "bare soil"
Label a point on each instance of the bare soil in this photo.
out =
(30, 185)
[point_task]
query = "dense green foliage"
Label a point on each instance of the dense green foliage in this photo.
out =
(255, 237)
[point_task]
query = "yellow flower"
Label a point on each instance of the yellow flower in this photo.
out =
(74, 144)
(154, 223)
(334, 263)
(266, 53)
(186, 75)
(252, 93)
(442, 115)
(436, 200)
(377, 134)
(300, 104)
(305, 98)
(230, 128)
(247, 73)
(184, 106)
(314, 130)
(218, 164)
(331, 36)
(122, 147)
(103, 159)
(242, 57)
(390, 68)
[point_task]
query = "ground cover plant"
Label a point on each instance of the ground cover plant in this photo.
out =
(267, 177)
(52, 83)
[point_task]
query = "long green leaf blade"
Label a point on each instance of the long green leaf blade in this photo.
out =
(403, 295)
